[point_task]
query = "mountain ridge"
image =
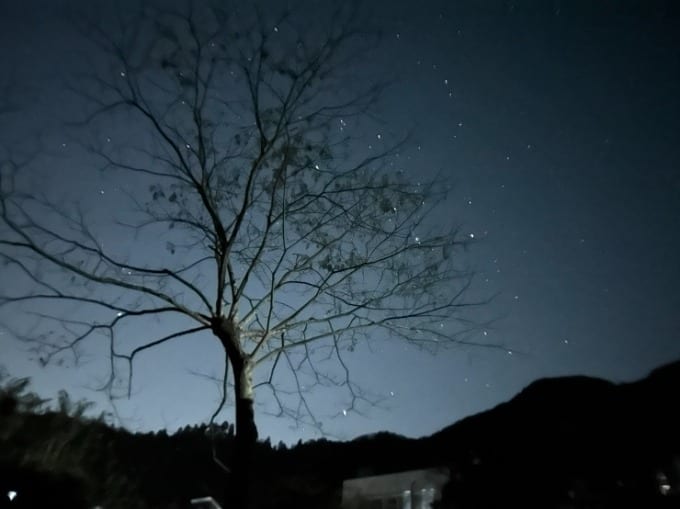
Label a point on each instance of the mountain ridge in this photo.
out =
(560, 442)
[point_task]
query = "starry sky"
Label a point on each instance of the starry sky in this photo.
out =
(558, 123)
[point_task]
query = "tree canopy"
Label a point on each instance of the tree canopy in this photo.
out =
(250, 207)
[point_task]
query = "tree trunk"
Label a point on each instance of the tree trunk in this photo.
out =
(246, 430)
(245, 415)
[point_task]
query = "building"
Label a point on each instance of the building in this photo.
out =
(413, 489)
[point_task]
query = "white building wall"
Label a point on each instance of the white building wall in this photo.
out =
(413, 489)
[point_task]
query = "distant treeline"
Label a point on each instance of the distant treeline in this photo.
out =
(564, 442)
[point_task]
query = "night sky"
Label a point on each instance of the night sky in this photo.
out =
(559, 125)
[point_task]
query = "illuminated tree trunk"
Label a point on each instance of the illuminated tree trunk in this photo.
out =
(246, 430)
(245, 416)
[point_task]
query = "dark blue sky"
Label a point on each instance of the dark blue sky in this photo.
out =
(558, 122)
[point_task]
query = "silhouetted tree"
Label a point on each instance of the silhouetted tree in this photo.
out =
(268, 224)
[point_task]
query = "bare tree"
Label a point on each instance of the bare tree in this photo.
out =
(256, 214)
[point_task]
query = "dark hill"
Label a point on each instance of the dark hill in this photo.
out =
(560, 443)
(569, 442)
